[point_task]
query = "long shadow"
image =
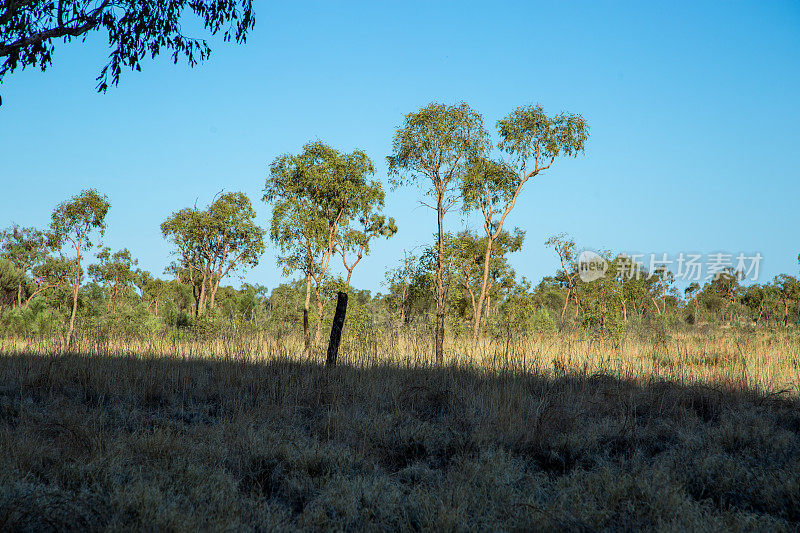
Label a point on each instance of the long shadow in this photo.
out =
(723, 453)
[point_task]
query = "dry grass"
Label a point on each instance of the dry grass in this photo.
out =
(664, 432)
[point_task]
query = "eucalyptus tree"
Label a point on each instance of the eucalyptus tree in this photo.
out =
(25, 248)
(116, 272)
(315, 197)
(788, 290)
(398, 280)
(691, 292)
(758, 297)
(151, 289)
(567, 253)
(50, 274)
(530, 142)
(601, 300)
(435, 146)
(10, 277)
(213, 242)
(135, 29)
(478, 277)
(72, 225)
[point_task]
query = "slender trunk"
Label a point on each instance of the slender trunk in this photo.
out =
(320, 308)
(440, 303)
(655, 302)
(203, 295)
(624, 311)
(75, 289)
(564, 309)
(213, 291)
(482, 296)
(32, 296)
(195, 295)
(306, 332)
(403, 305)
(19, 293)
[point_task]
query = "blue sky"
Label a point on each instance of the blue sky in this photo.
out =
(693, 108)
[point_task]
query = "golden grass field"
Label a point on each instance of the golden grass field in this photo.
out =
(695, 431)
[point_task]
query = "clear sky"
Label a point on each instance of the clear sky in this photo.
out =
(693, 108)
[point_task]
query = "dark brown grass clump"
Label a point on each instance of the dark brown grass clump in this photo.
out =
(90, 442)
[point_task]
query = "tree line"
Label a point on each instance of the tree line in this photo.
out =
(327, 209)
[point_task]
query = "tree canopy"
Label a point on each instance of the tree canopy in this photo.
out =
(135, 29)
(212, 242)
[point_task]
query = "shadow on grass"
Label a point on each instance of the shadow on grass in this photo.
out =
(94, 442)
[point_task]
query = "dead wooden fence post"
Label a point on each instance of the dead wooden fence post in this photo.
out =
(336, 329)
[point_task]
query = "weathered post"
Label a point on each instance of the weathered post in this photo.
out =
(336, 329)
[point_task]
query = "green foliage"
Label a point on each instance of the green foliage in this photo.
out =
(436, 144)
(211, 243)
(74, 220)
(528, 132)
(115, 271)
(10, 279)
(135, 30)
(315, 196)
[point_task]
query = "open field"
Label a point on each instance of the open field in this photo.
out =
(699, 432)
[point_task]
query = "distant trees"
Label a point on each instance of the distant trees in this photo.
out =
(316, 197)
(25, 249)
(399, 281)
(567, 253)
(117, 272)
(212, 242)
(788, 291)
(477, 276)
(135, 30)
(435, 146)
(73, 224)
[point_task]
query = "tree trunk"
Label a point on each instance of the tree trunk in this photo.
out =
(318, 329)
(203, 296)
(440, 303)
(439, 338)
(482, 296)
(306, 331)
(403, 305)
(564, 309)
(19, 293)
(75, 289)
